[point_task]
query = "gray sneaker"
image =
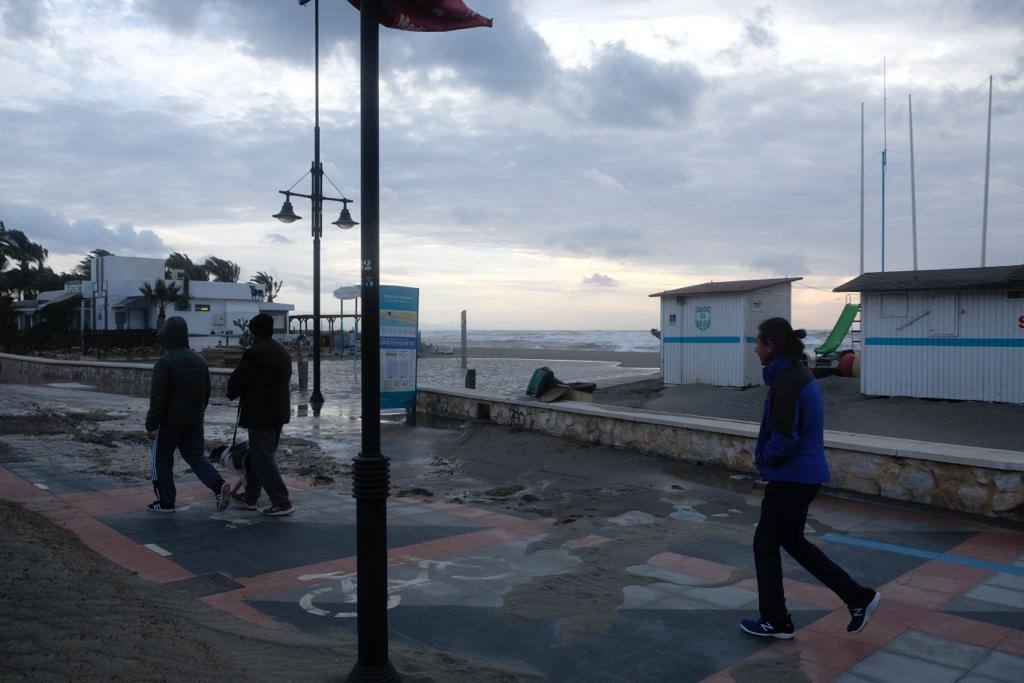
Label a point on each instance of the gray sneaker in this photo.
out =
(278, 511)
(224, 497)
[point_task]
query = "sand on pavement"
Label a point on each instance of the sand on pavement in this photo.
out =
(69, 613)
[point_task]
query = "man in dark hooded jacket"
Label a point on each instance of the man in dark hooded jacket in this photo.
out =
(177, 406)
(261, 382)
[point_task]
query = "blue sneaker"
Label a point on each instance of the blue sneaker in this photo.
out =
(760, 627)
(860, 614)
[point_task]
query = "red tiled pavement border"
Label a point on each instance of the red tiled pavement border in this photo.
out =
(1013, 643)
(74, 513)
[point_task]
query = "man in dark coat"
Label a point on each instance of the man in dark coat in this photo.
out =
(178, 397)
(261, 382)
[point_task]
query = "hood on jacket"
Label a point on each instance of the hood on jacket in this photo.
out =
(174, 333)
(775, 368)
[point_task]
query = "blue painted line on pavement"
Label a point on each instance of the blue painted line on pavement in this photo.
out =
(927, 554)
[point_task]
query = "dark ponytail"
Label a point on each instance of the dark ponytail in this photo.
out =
(781, 335)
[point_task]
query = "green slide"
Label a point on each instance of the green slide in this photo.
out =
(840, 331)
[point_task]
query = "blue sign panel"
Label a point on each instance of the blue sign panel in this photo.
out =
(399, 329)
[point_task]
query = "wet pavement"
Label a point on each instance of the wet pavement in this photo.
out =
(571, 562)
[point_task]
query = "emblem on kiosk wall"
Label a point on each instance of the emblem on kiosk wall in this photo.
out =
(702, 317)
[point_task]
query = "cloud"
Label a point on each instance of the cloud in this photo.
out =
(623, 88)
(188, 169)
(757, 30)
(510, 60)
(783, 264)
(998, 10)
(602, 240)
(604, 180)
(515, 156)
(267, 29)
(471, 215)
(60, 236)
(758, 34)
(599, 280)
(23, 19)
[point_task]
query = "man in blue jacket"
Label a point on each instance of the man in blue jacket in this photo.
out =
(790, 456)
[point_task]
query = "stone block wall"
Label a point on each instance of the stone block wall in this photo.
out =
(991, 487)
(123, 378)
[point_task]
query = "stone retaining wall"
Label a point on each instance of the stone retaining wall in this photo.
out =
(976, 480)
(126, 378)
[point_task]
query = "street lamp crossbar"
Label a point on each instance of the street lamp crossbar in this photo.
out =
(325, 198)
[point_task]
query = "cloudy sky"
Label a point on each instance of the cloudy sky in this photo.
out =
(549, 172)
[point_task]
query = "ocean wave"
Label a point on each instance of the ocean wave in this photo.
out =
(581, 340)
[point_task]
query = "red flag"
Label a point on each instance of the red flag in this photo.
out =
(428, 15)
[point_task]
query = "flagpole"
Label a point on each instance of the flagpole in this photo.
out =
(913, 186)
(370, 471)
(988, 157)
(861, 188)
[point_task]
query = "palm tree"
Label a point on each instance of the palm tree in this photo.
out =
(3, 258)
(222, 270)
(7, 314)
(83, 271)
(161, 294)
(22, 250)
(271, 286)
(3, 247)
(180, 261)
(15, 246)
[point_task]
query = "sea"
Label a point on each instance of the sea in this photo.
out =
(511, 375)
(583, 340)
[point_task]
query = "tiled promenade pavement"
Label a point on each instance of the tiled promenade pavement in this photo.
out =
(490, 585)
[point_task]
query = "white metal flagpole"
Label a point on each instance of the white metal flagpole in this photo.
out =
(913, 188)
(988, 156)
(885, 153)
(861, 188)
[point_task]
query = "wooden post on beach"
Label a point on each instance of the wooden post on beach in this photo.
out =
(463, 340)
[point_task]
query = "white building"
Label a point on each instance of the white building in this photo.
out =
(708, 330)
(111, 300)
(32, 312)
(949, 334)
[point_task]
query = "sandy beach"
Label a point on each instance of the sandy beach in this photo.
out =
(628, 359)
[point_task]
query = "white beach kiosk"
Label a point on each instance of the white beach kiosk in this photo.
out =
(951, 334)
(708, 330)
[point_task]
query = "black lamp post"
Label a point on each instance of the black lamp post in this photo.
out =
(316, 196)
(371, 478)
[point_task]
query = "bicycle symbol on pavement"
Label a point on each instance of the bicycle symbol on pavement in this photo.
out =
(475, 569)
